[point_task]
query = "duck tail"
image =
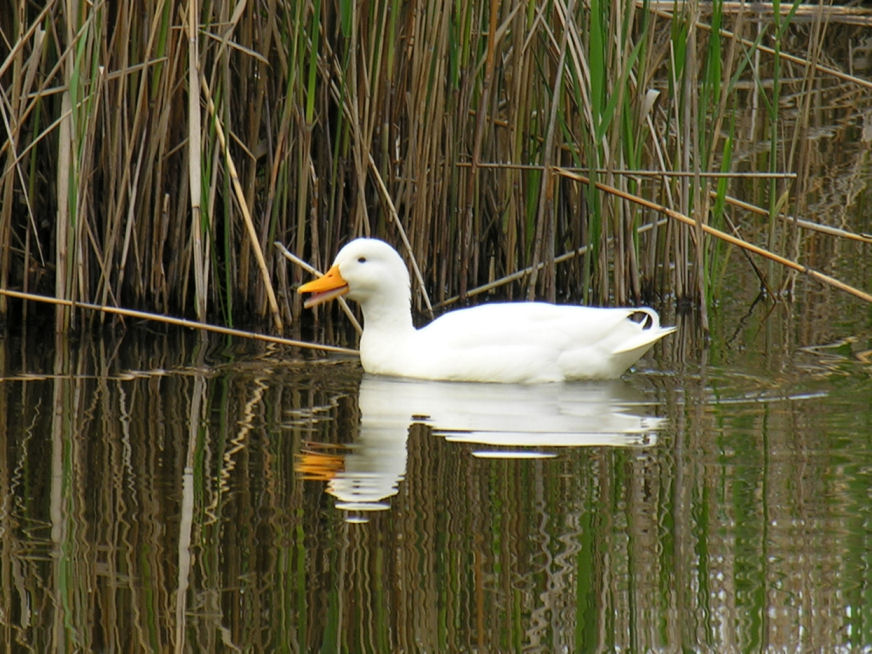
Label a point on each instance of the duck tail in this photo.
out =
(650, 320)
(650, 331)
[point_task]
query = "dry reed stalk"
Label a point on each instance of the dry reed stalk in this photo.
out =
(642, 172)
(176, 322)
(392, 210)
(758, 47)
(293, 258)
(543, 239)
(62, 254)
(524, 272)
(195, 173)
(425, 155)
(810, 11)
(128, 231)
(246, 217)
(9, 105)
(473, 184)
(728, 238)
(799, 155)
(805, 224)
(327, 110)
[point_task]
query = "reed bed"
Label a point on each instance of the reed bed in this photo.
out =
(154, 155)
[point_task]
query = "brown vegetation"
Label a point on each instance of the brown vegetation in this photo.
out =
(153, 155)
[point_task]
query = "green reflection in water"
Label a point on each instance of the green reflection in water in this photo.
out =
(173, 494)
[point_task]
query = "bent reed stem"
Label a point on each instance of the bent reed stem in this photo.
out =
(178, 322)
(728, 238)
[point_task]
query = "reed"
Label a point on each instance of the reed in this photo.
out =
(153, 156)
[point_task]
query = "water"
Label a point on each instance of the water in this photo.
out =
(164, 493)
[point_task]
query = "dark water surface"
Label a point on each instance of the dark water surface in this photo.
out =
(165, 493)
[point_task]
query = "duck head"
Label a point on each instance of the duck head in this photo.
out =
(366, 270)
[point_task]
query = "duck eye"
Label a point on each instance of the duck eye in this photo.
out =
(361, 259)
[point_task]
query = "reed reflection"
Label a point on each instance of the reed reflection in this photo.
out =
(501, 420)
(150, 503)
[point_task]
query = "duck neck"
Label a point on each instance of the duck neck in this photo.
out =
(388, 333)
(389, 316)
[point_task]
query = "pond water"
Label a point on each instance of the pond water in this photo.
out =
(173, 493)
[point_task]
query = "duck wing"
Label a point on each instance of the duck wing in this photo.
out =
(533, 342)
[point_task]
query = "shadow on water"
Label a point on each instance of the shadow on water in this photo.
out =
(172, 493)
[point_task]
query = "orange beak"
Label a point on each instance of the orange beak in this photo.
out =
(325, 288)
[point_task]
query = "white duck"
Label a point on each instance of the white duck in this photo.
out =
(511, 342)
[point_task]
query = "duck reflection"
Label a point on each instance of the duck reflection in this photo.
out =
(504, 420)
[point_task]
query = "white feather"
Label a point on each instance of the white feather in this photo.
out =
(514, 342)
